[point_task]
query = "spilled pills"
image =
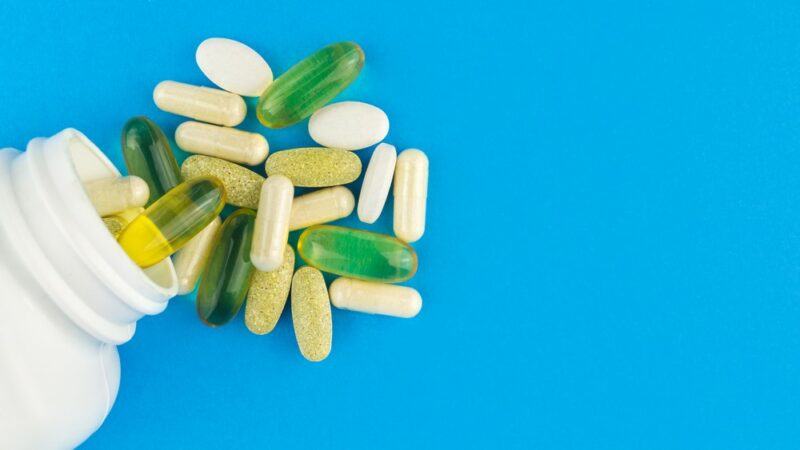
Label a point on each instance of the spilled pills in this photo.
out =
(311, 314)
(242, 185)
(315, 166)
(348, 125)
(200, 103)
(233, 66)
(268, 294)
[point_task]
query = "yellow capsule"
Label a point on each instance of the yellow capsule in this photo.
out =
(242, 185)
(311, 314)
(191, 259)
(267, 295)
(322, 206)
(227, 143)
(174, 219)
(200, 103)
(113, 195)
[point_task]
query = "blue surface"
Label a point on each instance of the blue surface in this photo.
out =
(612, 252)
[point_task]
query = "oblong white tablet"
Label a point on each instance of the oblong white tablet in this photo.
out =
(233, 66)
(348, 125)
(377, 182)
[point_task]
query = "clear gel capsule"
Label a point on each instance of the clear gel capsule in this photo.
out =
(321, 206)
(272, 223)
(113, 195)
(377, 182)
(311, 314)
(191, 259)
(148, 156)
(375, 298)
(200, 103)
(227, 143)
(410, 194)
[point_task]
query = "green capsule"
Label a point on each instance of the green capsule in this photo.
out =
(310, 84)
(226, 277)
(357, 254)
(148, 156)
(315, 166)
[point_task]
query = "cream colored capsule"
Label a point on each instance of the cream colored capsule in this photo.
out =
(200, 103)
(191, 259)
(410, 194)
(267, 295)
(227, 143)
(272, 223)
(311, 314)
(113, 195)
(242, 185)
(321, 206)
(375, 298)
(377, 182)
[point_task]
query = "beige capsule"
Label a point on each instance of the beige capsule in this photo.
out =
(200, 103)
(113, 195)
(375, 298)
(311, 314)
(267, 295)
(191, 259)
(410, 194)
(321, 206)
(272, 223)
(222, 142)
(242, 185)
(315, 166)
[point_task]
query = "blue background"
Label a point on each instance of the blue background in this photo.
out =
(612, 254)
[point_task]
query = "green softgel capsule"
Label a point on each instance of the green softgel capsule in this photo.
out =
(148, 156)
(357, 254)
(310, 84)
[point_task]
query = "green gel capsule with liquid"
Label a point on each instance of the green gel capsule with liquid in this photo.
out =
(148, 156)
(357, 254)
(310, 84)
(226, 277)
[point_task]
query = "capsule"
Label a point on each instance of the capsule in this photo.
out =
(227, 275)
(315, 166)
(242, 185)
(174, 219)
(200, 103)
(148, 156)
(310, 84)
(267, 296)
(410, 194)
(375, 298)
(222, 142)
(321, 206)
(115, 224)
(191, 259)
(357, 254)
(113, 195)
(272, 223)
(377, 182)
(311, 314)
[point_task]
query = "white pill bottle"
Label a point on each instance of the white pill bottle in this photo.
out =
(68, 295)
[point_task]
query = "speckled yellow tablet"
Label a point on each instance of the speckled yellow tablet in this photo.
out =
(115, 224)
(311, 314)
(242, 185)
(315, 166)
(268, 294)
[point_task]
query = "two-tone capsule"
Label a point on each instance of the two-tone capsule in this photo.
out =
(377, 183)
(148, 156)
(311, 314)
(200, 103)
(191, 259)
(272, 223)
(375, 298)
(222, 142)
(410, 194)
(111, 196)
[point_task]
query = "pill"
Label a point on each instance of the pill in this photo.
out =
(227, 274)
(357, 254)
(233, 66)
(200, 103)
(375, 298)
(315, 166)
(410, 194)
(311, 314)
(115, 224)
(222, 142)
(321, 206)
(377, 182)
(148, 156)
(191, 259)
(174, 219)
(272, 223)
(242, 185)
(268, 294)
(348, 125)
(309, 84)
(113, 195)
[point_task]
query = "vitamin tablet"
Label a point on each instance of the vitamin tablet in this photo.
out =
(169, 223)
(311, 314)
(377, 182)
(200, 103)
(357, 254)
(227, 274)
(148, 156)
(268, 294)
(233, 66)
(191, 259)
(321, 206)
(242, 185)
(309, 84)
(315, 166)
(222, 142)
(272, 223)
(115, 224)
(410, 194)
(114, 195)
(348, 125)
(375, 298)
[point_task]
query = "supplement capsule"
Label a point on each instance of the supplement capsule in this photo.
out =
(174, 219)
(348, 125)
(377, 182)
(242, 185)
(272, 223)
(321, 206)
(233, 66)
(115, 224)
(222, 142)
(357, 254)
(148, 156)
(315, 166)
(113, 195)
(311, 314)
(227, 275)
(200, 103)
(410, 194)
(268, 294)
(375, 298)
(309, 84)
(191, 259)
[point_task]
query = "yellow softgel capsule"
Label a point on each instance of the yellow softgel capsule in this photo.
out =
(200, 103)
(172, 221)
(242, 185)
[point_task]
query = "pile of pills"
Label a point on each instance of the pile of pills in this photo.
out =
(246, 258)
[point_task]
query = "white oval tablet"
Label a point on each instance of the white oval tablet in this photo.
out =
(348, 125)
(233, 66)
(377, 182)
